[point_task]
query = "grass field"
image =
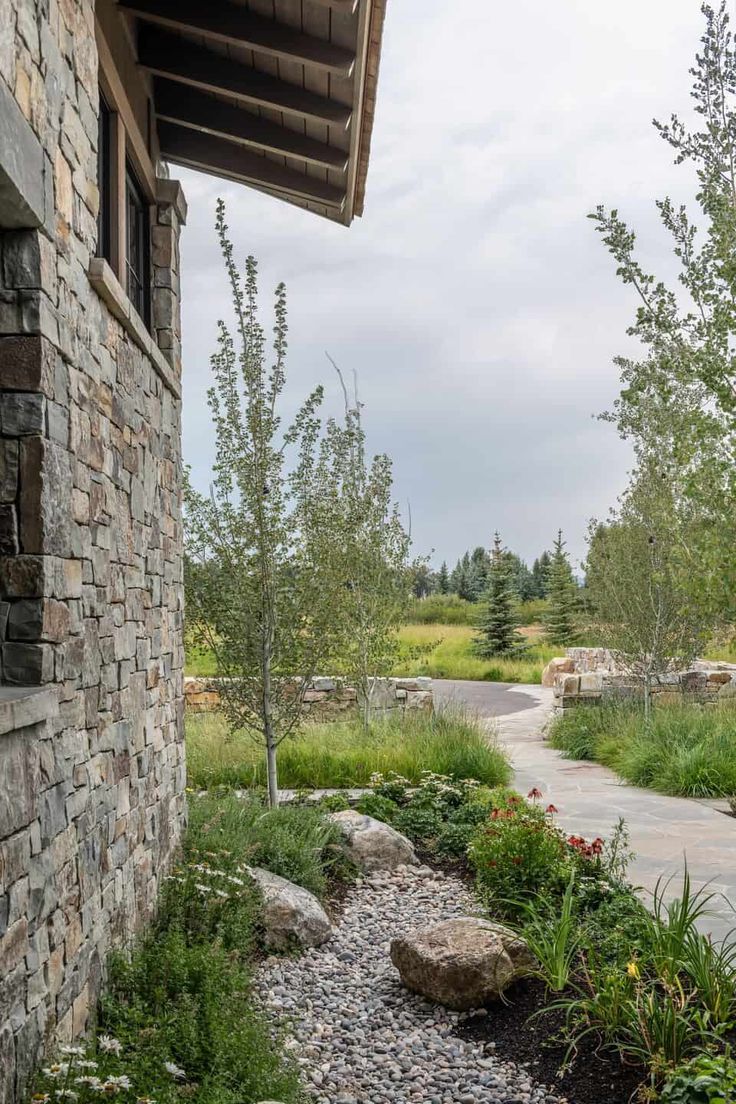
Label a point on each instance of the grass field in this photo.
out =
(452, 655)
(688, 750)
(340, 754)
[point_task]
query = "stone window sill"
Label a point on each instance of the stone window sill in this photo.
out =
(23, 706)
(109, 289)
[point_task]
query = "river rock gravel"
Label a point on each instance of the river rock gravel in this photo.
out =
(358, 1035)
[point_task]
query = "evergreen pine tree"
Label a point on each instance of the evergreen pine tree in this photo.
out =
(497, 633)
(443, 579)
(540, 571)
(478, 566)
(562, 592)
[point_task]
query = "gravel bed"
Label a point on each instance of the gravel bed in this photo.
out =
(359, 1036)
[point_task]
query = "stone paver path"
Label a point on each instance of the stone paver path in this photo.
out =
(590, 799)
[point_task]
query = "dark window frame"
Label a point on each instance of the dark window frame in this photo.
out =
(104, 181)
(137, 245)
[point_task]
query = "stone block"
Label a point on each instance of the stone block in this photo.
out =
(591, 683)
(27, 664)
(568, 685)
(45, 493)
(22, 259)
(38, 619)
(13, 945)
(22, 413)
(8, 469)
(9, 545)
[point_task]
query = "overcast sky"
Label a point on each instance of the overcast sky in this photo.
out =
(473, 298)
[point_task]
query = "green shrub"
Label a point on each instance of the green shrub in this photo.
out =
(518, 855)
(343, 754)
(441, 813)
(294, 841)
(688, 749)
(442, 609)
(707, 1079)
(189, 1004)
(533, 611)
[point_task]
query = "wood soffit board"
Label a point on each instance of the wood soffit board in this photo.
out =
(277, 94)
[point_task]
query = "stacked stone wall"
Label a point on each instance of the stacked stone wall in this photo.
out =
(593, 675)
(92, 767)
(328, 699)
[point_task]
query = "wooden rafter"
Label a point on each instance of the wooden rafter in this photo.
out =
(185, 146)
(171, 56)
(189, 107)
(236, 26)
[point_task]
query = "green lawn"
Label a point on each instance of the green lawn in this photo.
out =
(342, 754)
(689, 750)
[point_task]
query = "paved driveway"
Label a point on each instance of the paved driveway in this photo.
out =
(487, 699)
(665, 831)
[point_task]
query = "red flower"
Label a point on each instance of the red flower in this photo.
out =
(551, 809)
(534, 793)
(514, 800)
(597, 846)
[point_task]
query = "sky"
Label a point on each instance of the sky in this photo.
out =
(473, 299)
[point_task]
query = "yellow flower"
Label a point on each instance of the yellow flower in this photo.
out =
(633, 970)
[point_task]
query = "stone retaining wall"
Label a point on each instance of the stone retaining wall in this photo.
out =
(327, 699)
(591, 675)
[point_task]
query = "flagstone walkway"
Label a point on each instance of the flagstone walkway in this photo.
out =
(665, 831)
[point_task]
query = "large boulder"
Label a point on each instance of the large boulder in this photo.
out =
(292, 916)
(561, 665)
(373, 845)
(461, 963)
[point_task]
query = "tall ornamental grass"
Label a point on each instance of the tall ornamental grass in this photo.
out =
(343, 754)
(687, 750)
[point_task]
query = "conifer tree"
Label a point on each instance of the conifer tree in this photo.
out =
(443, 579)
(540, 571)
(497, 626)
(562, 593)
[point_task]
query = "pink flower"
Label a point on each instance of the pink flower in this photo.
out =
(534, 793)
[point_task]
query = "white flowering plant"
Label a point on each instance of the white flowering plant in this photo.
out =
(89, 1071)
(439, 812)
(211, 895)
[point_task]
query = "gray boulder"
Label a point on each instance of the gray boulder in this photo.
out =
(462, 963)
(373, 845)
(292, 916)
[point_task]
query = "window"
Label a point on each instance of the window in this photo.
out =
(104, 181)
(123, 223)
(137, 247)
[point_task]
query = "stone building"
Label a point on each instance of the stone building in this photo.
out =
(96, 101)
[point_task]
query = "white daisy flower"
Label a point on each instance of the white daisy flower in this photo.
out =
(175, 1071)
(109, 1045)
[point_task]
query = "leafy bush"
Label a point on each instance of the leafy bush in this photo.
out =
(519, 855)
(343, 754)
(707, 1079)
(441, 812)
(294, 841)
(442, 609)
(687, 750)
(189, 1004)
(533, 611)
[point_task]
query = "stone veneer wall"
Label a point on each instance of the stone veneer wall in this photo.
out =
(91, 706)
(327, 699)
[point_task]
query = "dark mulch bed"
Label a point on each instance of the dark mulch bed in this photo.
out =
(595, 1078)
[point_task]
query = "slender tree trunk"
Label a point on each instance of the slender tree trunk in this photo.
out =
(647, 698)
(271, 768)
